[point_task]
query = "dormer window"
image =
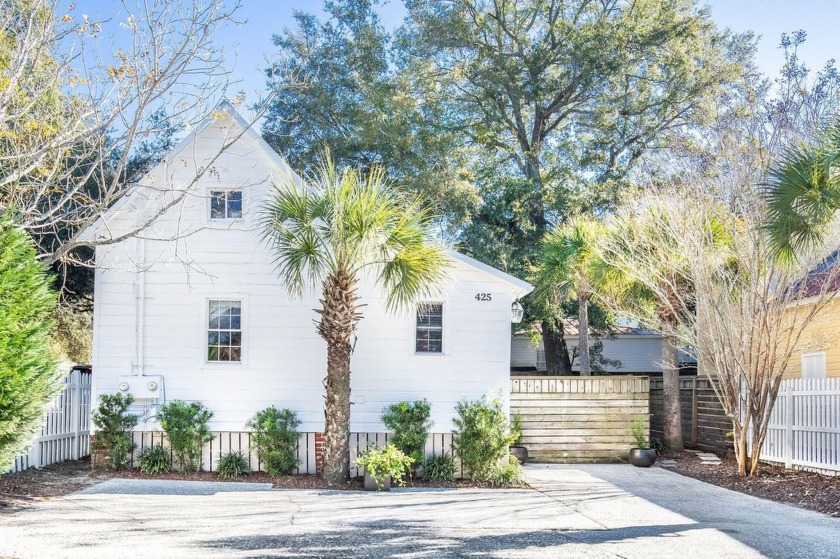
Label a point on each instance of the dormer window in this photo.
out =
(226, 204)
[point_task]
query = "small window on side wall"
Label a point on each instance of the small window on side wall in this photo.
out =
(429, 328)
(224, 332)
(225, 204)
(813, 365)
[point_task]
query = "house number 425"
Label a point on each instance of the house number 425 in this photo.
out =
(483, 297)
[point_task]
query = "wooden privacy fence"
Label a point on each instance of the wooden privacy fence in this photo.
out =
(804, 429)
(240, 441)
(574, 419)
(704, 423)
(65, 434)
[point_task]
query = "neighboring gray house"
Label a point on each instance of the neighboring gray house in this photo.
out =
(638, 349)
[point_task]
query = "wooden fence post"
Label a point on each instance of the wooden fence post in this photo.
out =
(695, 424)
(788, 394)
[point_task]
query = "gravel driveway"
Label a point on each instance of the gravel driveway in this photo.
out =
(573, 511)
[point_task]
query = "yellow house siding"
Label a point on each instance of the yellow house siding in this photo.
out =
(821, 335)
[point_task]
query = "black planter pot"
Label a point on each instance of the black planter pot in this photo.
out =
(520, 453)
(643, 457)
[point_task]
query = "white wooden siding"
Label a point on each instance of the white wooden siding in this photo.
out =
(284, 358)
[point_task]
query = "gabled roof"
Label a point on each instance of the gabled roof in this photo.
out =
(174, 155)
(520, 287)
(824, 277)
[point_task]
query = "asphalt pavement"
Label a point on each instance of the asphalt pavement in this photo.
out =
(586, 511)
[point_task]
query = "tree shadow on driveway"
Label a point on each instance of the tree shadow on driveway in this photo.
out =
(415, 539)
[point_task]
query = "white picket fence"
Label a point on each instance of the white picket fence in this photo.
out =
(240, 441)
(804, 428)
(65, 434)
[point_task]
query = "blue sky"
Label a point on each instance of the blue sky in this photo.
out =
(251, 41)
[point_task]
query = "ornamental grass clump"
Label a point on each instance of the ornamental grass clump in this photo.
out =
(233, 465)
(155, 460)
(439, 467)
(187, 429)
(482, 436)
(275, 438)
(410, 423)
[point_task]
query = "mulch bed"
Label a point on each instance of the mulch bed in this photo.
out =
(803, 489)
(299, 481)
(23, 489)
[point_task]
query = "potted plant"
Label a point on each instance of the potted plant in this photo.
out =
(643, 455)
(519, 451)
(383, 465)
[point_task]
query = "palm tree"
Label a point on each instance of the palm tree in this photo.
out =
(803, 194)
(327, 233)
(643, 274)
(567, 269)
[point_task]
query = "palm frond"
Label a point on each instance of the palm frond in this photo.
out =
(802, 195)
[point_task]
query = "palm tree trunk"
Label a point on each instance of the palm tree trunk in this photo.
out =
(339, 317)
(671, 387)
(583, 335)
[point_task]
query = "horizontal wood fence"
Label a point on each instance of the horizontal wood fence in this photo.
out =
(804, 429)
(577, 419)
(65, 434)
(704, 423)
(240, 441)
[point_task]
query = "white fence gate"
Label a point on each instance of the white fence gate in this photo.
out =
(65, 434)
(804, 428)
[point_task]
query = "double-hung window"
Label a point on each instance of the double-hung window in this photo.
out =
(224, 332)
(429, 328)
(225, 204)
(813, 365)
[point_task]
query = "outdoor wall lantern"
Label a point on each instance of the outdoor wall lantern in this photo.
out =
(516, 312)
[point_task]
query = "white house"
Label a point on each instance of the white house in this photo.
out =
(638, 349)
(192, 308)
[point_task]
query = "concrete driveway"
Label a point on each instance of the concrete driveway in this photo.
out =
(573, 511)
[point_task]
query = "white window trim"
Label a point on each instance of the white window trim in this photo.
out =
(227, 221)
(205, 326)
(444, 343)
(812, 354)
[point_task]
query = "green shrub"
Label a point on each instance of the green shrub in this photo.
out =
(482, 436)
(113, 428)
(640, 434)
(439, 467)
(505, 475)
(232, 465)
(275, 439)
(28, 370)
(384, 463)
(155, 460)
(186, 427)
(410, 423)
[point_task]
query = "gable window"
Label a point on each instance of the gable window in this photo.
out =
(225, 204)
(813, 365)
(224, 332)
(429, 328)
